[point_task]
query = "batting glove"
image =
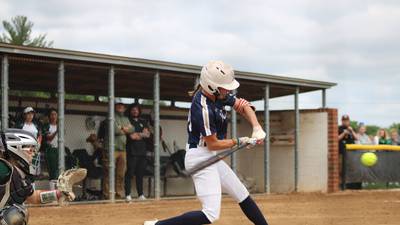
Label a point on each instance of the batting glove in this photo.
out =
(251, 142)
(258, 134)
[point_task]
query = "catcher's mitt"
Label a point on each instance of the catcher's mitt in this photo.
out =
(67, 179)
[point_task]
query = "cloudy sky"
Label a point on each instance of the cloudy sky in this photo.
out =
(354, 43)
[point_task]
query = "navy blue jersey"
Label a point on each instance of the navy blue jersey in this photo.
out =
(207, 118)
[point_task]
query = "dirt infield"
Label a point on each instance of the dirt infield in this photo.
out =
(348, 208)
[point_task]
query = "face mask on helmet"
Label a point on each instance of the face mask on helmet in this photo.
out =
(34, 167)
(2, 146)
(21, 145)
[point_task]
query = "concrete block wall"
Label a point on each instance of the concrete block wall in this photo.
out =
(313, 152)
(333, 148)
(315, 149)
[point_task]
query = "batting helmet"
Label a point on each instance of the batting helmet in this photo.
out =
(217, 74)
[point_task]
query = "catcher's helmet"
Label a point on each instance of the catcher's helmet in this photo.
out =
(217, 74)
(15, 144)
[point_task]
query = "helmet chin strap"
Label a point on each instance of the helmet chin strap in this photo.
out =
(216, 93)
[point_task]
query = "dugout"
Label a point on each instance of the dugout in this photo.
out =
(292, 159)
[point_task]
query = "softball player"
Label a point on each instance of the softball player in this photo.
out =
(207, 128)
(17, 148)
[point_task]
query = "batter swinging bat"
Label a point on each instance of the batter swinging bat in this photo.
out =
(212, 160)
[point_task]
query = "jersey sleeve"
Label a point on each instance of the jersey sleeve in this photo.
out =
(203, 118)
(238, 104)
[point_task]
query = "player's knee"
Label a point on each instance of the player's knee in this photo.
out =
(14, 215)
(241, 195)
(212, 214)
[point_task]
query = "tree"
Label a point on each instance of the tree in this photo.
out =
(395, 126)
(354, 124)
(18, 32)
(372, 130)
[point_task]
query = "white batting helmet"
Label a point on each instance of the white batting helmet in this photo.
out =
(217, 74)
(17, 141)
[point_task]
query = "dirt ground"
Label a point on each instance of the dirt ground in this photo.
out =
(347, 208)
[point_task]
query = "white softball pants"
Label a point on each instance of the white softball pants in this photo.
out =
(212, 181)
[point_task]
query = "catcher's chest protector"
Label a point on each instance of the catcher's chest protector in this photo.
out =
(19, 187)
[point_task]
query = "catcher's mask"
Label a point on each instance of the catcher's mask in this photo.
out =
(20, 145)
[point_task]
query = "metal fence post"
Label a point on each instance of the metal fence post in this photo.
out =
(296, 137)
(61, 122)
(111, 137)
(267, 141)
(4, 92)
(156, 87)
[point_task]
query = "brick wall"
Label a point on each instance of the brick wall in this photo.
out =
(333, 155)
(333, 148)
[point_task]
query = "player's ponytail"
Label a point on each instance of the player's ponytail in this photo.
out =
(193, 92)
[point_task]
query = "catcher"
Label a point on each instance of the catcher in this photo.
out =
(17, 148)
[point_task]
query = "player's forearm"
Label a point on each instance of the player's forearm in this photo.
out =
(221, 144)
(250, 116)
(43, 197)
(34, 198)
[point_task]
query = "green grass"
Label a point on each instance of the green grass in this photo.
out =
(380, 185)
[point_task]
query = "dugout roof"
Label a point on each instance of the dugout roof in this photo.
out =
(35, 69)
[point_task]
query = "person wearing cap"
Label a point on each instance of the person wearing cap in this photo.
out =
(31, 125)
(347, 135)
(122, 128)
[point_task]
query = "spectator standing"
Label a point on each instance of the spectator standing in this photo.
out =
(394, 137)
(136, 152)
(31, 125)
(122, 128)
(382, 138)
(50, 132)
(346, 136)
(362, 137)
(395, 140)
